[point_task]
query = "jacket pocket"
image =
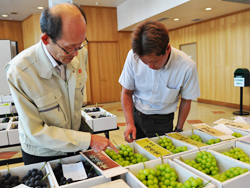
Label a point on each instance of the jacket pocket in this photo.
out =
(50, 109)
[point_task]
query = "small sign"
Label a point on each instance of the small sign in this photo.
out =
(152, 147)
(100, 160)
(75, 171)
(233, 124)
(186, 139)
(239, 82)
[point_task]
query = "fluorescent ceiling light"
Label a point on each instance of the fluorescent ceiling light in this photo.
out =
(5, 15)
(208, 8)
(40, 8)
(176, 19)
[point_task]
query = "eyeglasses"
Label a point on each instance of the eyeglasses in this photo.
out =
(71, 52)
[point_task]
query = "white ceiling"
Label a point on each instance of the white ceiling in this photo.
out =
(194, 9)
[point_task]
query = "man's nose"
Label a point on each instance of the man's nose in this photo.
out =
(151, 65)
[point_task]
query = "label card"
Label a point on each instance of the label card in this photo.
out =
(186, 139)
(152, 147)
(208, 129)
(104, 164)
(21, 186)
(246, 140)
(75, 171)
(233, 124)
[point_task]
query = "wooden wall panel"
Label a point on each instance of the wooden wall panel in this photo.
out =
(28, 32)
(101, 23)
(12, 30)
(222, 47)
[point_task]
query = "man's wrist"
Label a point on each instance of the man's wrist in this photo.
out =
(177, 129)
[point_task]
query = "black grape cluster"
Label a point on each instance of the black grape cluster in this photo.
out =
(90, 171)
(7, 180)
(34, 178)
(97, 109)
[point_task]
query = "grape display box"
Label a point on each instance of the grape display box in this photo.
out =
(79, 184)
(224, 163)
(204, 137)
(176, 143)
(102, 123)
(182, 173)
(3, 134)
(5, 108)
(22, 170)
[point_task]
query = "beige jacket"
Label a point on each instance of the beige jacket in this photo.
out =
(49, 108)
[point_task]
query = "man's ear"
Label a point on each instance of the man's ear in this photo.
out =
(45, 38)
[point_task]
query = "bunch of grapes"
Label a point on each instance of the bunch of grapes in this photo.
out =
(237, 135)
(126, 156)
(34, 178)
(165, 177)
(167, 143)
(204, 162)
(228, 174)
(196, 137)
(7, 180)
(213, 141)
(96, 109)
(90, 171)
(239, 154)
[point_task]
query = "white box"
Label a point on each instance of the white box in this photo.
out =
(228, 145)
(114, 184)
(79, 184)
(13, 134)
(243, 133)
(5, 108)
(176, 143)
(100, 124)
(204, 137)
(7, 98)
(223, 163)
(3, 134)
(22, 170)
(182, 173)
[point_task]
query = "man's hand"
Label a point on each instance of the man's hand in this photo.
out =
(100, 143)
(130, 130)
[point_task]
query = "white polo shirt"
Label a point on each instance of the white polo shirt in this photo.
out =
(157, 91)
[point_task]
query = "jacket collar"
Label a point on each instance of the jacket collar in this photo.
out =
(45, 66)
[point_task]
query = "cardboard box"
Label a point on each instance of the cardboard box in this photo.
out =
(182, 173)
(22, 171)
(13, 133)
(176, 143)
(223, 163)
(204, 137)
(5, 108)
(79, 184)
(100, 124)
(3, 134)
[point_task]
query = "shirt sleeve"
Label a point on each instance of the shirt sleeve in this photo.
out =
(191, 89)
(127, 79)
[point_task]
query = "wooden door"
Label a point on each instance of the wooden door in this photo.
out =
(104, 72)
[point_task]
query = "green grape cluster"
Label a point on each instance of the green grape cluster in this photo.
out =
(239, 154)
(204, 162)
(168, 144)
(165, 177)
(213, 141)
(195, 137)
(228, 174)
(237, 135)
(126, 156)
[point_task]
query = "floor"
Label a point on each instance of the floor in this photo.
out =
(199, 113)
